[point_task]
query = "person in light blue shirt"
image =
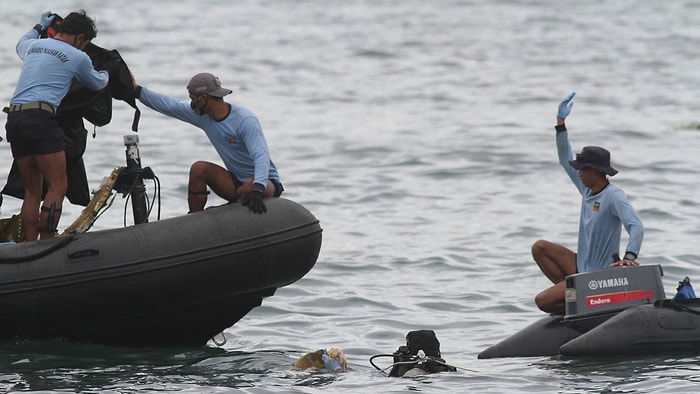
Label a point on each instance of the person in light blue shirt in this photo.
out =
(234, 131)
(36, 139)
(604, 211)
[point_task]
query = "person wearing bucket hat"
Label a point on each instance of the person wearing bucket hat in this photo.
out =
(234, 131)
(605, 209)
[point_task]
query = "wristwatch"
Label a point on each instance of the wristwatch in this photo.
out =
(630, 256)
(38, 27)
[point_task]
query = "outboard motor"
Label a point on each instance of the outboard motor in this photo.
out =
(593, 297)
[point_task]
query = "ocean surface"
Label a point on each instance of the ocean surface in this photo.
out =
(421, 136)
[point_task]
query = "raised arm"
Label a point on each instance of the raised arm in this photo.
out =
(562, 138)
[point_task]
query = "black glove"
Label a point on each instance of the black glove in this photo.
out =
(254, 201)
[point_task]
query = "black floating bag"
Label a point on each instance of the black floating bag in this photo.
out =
(81, 102)
(120, 85)
(406, 357)
(96, 107)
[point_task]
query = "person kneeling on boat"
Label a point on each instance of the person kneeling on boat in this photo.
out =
(235, 133)
(604, 210)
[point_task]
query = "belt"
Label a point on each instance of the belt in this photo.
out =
(34, 105)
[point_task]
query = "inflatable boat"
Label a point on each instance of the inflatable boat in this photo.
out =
(666, 327)
(173, 282)
(613, 312)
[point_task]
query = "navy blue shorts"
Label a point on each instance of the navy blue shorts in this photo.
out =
(278, 186)
(34, 132)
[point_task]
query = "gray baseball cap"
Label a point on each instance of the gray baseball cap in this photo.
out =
(206, 83)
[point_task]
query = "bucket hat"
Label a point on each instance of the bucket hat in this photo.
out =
(595, 157)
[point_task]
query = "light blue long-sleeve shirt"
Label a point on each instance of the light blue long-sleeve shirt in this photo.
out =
(49, 67)
(238, 139)
(602, 217)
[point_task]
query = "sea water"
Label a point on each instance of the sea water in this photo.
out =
(421, 136)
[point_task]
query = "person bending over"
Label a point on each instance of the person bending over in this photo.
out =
(36, 138)
(235, 133)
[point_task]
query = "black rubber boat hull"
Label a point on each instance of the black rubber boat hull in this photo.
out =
(174, 282)
(541, 338)
(667, 327)
(592, 298)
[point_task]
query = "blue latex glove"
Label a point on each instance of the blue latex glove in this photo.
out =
(46, 19)
(331, 364)
(565, 106)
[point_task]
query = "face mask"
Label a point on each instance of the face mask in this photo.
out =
(195, 107)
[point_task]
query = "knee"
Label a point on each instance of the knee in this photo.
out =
(56, 191)
(198, 169)
(201, 172)
(32, 196)
(551, 300)
(62, 187)
(538, 247)
(544, 303)
(540, 302)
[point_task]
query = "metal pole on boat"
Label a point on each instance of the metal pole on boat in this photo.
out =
(134, 172)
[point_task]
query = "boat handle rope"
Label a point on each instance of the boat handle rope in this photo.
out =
(217, 343)
(681, 307)
(58, 244)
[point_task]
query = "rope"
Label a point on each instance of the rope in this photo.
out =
(683, 308)
(414, 360)
(217, 343)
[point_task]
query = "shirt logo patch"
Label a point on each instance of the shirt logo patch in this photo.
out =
(230, 140)
(596, 206)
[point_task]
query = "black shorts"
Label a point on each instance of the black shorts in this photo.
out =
(278, 186)
(34, 132)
